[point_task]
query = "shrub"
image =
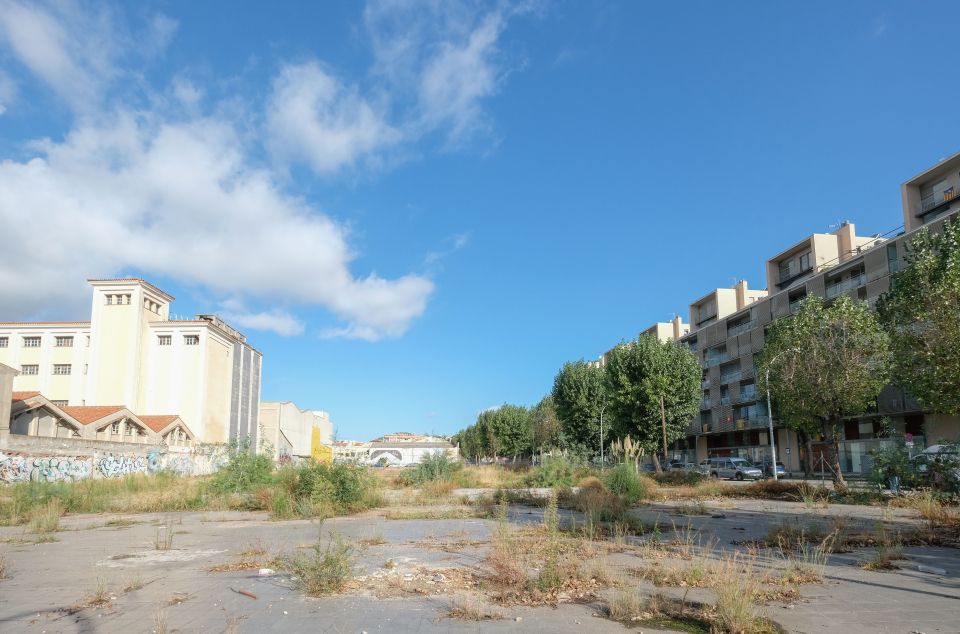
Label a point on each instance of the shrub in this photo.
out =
(624, 481)
(244, 472)
(679, 478)
(339, 488)
(432, 467)
(325, 570)
(557, 471)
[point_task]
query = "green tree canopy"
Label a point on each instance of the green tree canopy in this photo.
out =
(579, 392)
(922, 314)
(638, 374)
(544, 425)
(828, 361)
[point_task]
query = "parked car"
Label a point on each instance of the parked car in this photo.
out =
(731, 468)
(768, 471)
(940, 464)
(684, 466)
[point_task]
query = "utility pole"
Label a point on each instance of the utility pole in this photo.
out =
(663, 421)
(601, 435)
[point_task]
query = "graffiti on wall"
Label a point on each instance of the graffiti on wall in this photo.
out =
(22, 468)
(25, 467)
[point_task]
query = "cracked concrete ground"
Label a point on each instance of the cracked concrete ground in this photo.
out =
(50, 582)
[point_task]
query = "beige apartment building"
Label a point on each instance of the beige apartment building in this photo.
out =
(727, 332)
(132, 354)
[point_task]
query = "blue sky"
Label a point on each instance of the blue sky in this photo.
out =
(418, 210)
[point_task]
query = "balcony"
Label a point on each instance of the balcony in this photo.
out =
(705, 384)
(846, 285)
(786, 278)
(734, 375)
(795, 304)
(705, 403)
(739, 329)
(748, 395)
(724, 400)
(935, 203)
(717, 359)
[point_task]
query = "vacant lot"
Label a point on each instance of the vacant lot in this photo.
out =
(444, 559)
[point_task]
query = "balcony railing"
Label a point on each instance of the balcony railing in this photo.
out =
(717, 359)
(705, 403)
(704, 384)
(935, 201)
(724, 400)
(726, 377)
(786, 277)
(795, 305)
(733, 331)
(748, 395)
(848, 284)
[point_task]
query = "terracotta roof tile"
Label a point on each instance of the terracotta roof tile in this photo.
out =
(86, 414)
(22, 396)
(159, 422)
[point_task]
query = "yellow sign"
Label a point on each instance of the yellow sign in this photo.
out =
(319, 451)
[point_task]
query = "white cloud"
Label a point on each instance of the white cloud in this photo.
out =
(313, 117)
(68, 48)
(275, 320)
(180, 200)
(446, 55)
(164, 190)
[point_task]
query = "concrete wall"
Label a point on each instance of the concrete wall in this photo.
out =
(24, 459)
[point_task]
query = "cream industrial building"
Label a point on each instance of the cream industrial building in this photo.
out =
(131, 354)
(287, 430)
(726, 331)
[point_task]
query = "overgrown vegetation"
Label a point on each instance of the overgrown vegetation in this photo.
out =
(432, 468)
(324, 570)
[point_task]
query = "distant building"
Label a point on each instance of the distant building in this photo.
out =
(289, 430)
(132, 354)
(404, 449)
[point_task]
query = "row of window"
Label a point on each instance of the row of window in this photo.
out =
(61, 369)
(118, 300)
(67, 342)
(60, 341)
(188, 340)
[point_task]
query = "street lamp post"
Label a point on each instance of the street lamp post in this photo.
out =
(773, 444)
(601, 435)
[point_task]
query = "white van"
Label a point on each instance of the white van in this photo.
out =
(730, 468)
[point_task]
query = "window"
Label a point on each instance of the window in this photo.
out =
(30, 369)
(109, 300)
(115, 428)
(64, 342)
(164, 340)
(724, 395)
(706, 310)
(191, 340)
(59, 403)
(4, 342)
(61, 368)
(31, 342)
(893, 263)
(932, 195)
(130, 429)
(805, 261)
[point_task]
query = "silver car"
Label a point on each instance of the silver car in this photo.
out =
(732, 468)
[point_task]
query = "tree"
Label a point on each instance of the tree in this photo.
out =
(645, 373)
(922, 314)
(544, 425)
(579, 393)
(510, 425)
(829, 361)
